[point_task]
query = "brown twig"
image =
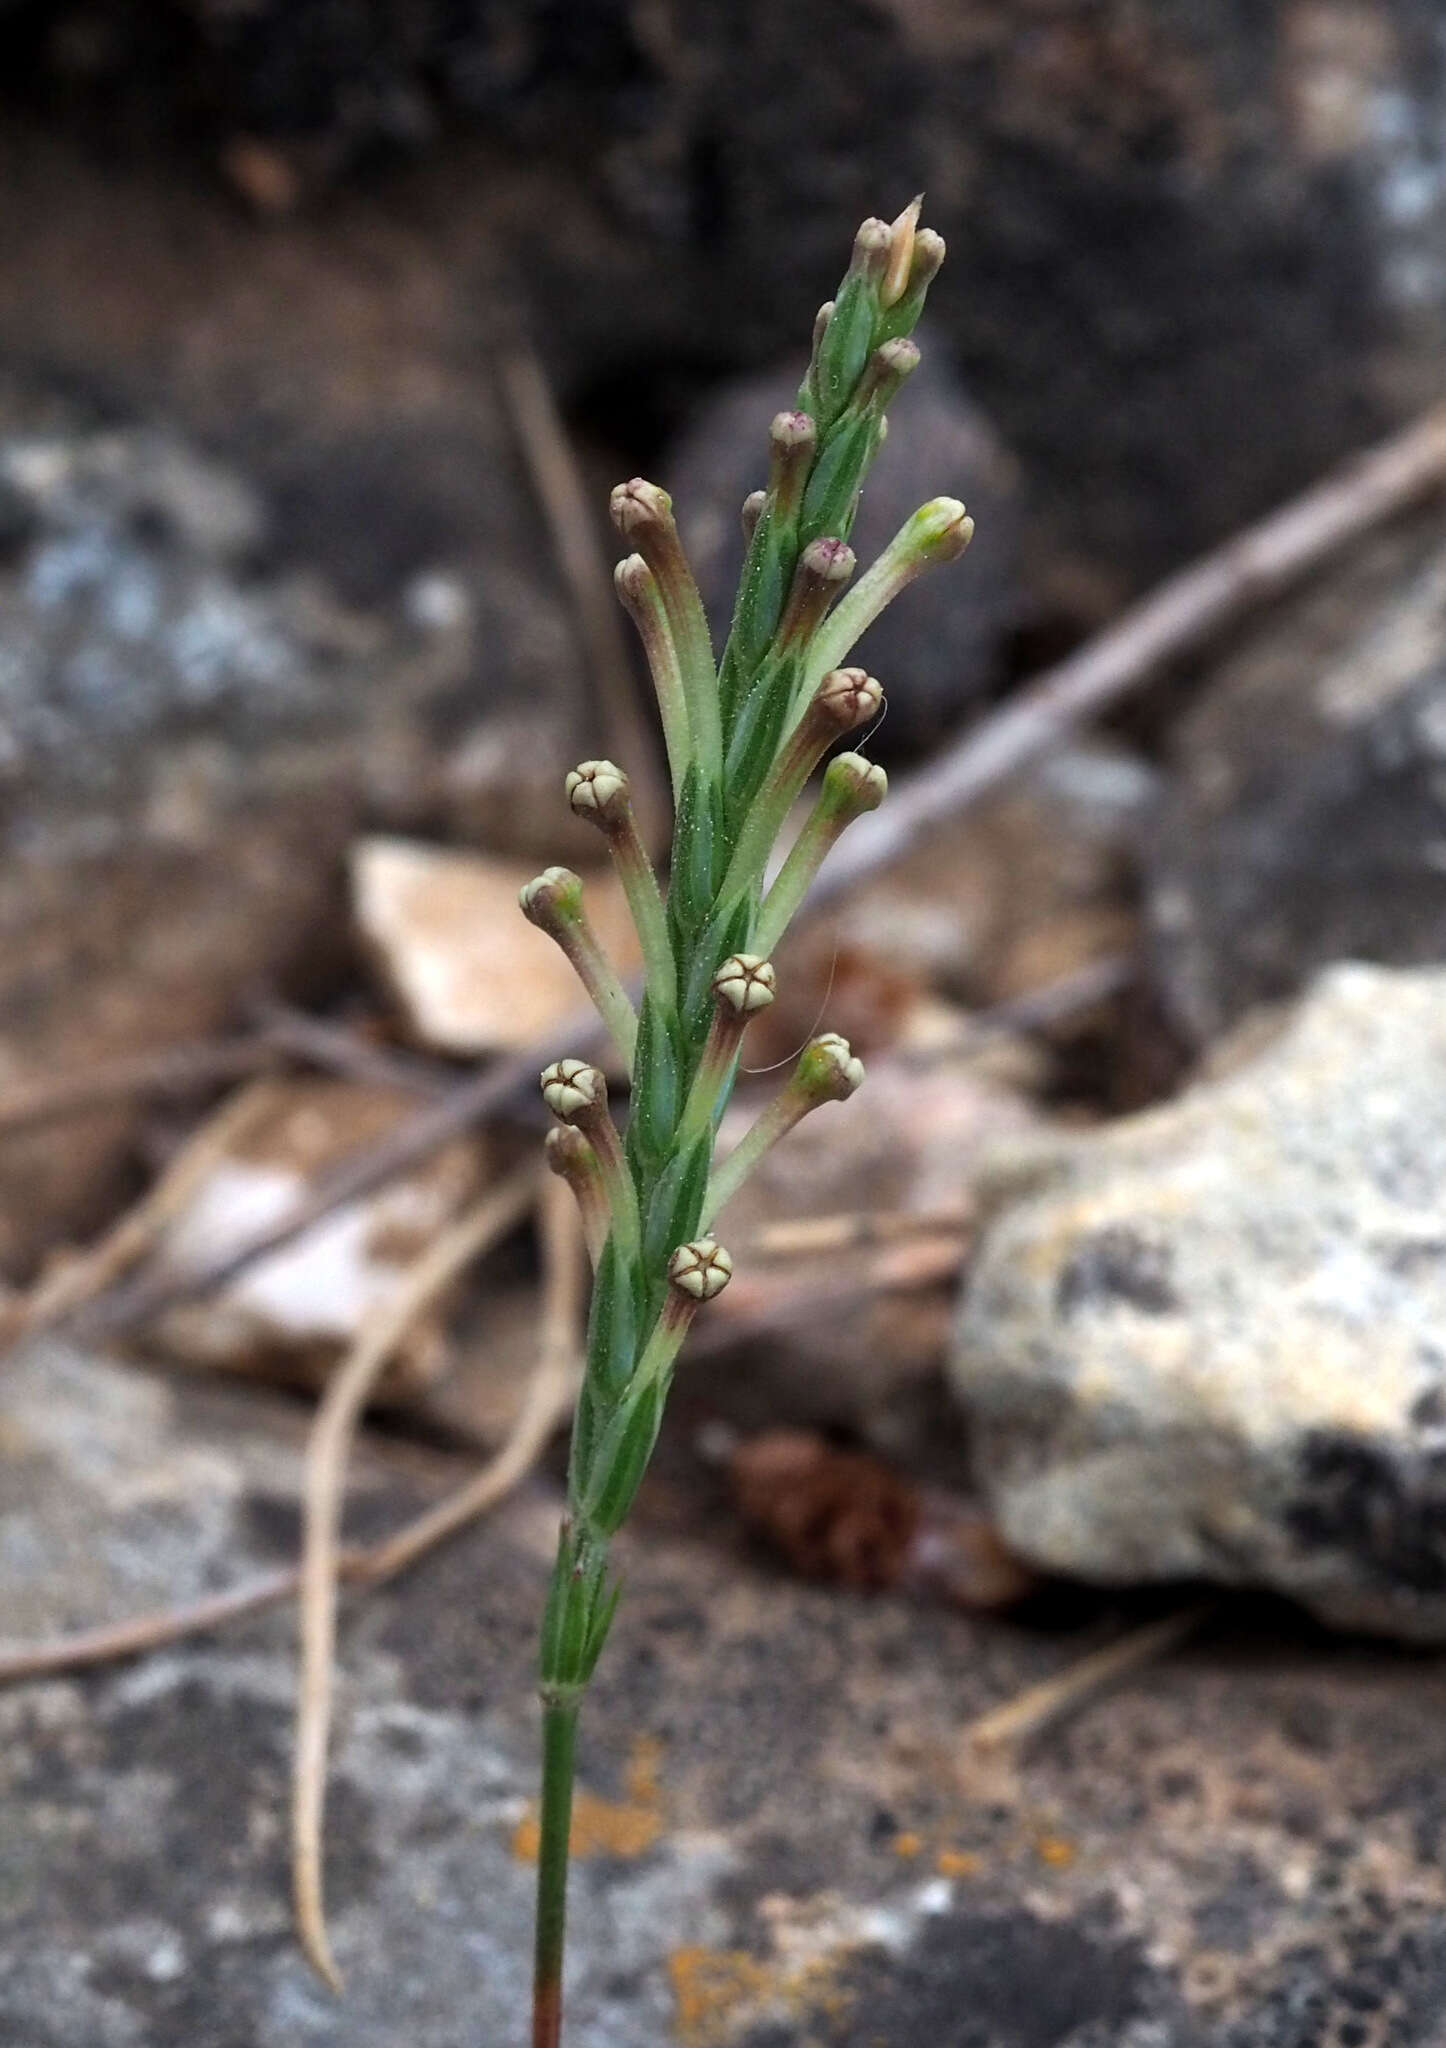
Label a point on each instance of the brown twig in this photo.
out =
(804, 1236)
(285, 1035)
(341, 1407)
(1179, 617)
(336, 1050)
(73, 1281)
(562, 494)
(175, 1070)
(1258, 564)
(548, 1400)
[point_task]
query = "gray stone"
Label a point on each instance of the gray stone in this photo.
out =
(784, 1848)
(1207, 1342)
(1305, 820)
(939, 648)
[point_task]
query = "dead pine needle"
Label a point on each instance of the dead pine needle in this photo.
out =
(1016, 1723)
(336, 1420)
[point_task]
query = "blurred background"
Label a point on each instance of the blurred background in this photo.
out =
(325, 327)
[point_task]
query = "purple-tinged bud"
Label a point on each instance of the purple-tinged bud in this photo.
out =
(641, 510)
(824, 567)
(637, 589)
(792, 440)
(751, 511)
(643, 514)
(884, 372)
(938, 532)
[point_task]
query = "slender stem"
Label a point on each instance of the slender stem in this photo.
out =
(559, 1739)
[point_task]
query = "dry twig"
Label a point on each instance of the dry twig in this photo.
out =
(547, 1402)
(341, 1407)
(563, 497)
(75, 1280)
(1179, 617)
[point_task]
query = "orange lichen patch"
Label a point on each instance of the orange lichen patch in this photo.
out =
(712, 1988)
(716, 1992)
(605, 1827)
(956, 1863)
(907, 1844)
(1055, 1851)
(641, 1778)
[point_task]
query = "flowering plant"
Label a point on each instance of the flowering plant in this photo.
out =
(744, 737)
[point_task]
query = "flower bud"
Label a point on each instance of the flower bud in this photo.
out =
(884, 372)
(828, 1071)
(751, 511)
(640, 509)
(572, 1088)
(847, 697)
(792, 439)
(824, 567)
(938, 532)
(571, 1158)
(851, 786)
(599, 792)
(567, 1152)
(746, 983)
(872, 244)
(701, 1270)
(552, 900)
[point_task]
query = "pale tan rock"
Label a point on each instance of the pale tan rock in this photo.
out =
(1205, 1342)
(468, 972)
(292, 1314)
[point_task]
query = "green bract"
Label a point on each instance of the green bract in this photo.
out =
(744, 736)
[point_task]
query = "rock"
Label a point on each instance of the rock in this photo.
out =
(188, 739)
(1206, 1342)
(938, 650)
(1306, 815)
(295, 1312)
(1239, 1845)
(470, 974)
(1196, 248)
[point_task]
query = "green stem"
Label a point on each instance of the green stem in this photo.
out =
(559, 1739)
